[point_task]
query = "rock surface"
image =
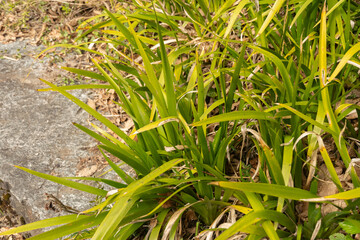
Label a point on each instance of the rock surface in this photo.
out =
(36, 132)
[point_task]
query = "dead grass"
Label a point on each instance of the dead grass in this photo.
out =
(45, 21)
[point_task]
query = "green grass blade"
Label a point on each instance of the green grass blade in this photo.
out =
(156, 230)
(329, 164)
(235, 116)
(122, 28)
(351, 194)
(110, 199)
(300, 11)
(156, 124)
(307, 118)
(116, 141)
(103, 180)
(275, 8)
(70, 46)
(212, 107)
(253, 217)
(124, 201)
(114, 217)
(268, 189)
(128, 159)
(168, 75)
(128, 230)
(221, 11)
(152, 175)
(74, 87)
(234, 16)
(151, 80)
(85, 73)
(44, 223)
(73, 227)
(256, 204)
(75, 185)
(281, 67)
(347, 56)
(110, 80)
(96, 136)
(124, 176)
(287, 159)
(322, 51)
(334, 8)
(168, 198)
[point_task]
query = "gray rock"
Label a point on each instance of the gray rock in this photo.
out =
(36, 132)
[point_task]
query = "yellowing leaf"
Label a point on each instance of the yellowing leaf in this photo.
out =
(156, 124)
(348, 55)
(271, 15)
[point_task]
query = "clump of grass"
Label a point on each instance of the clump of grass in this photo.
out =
(199, 77)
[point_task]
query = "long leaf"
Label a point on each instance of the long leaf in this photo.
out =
(65, 182)
(351, 194)
(114, 217)
(124, 176)
(127, 158)
(235, 116)
(308, 119)
(168, 74)
(122, 28)
(275, 8)
(300, 11)
(82, 86)
(234, 16)
(73, 227)
(44, 223)
(125, 201)
(253, 217)
(156, 124)
(281, 67)
(347, 56)
(268, 189)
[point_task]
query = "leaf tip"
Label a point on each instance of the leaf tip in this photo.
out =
(215, 183)
(134, 133)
